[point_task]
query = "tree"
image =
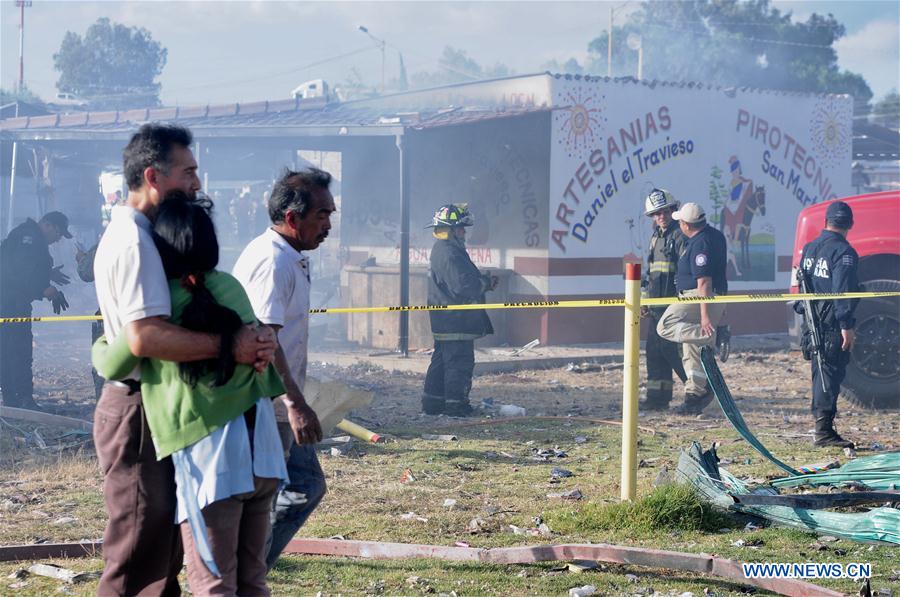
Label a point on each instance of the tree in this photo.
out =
(23, 95)
(112, 66)
(732, 43)
(569, 67)
(887, 111)
(456, 67)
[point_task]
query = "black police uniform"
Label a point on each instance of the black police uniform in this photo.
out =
(705, 255)
(663, 358)
(453, 280)
(831, 266)
(25, 266)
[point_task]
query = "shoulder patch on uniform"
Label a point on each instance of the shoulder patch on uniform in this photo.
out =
(700, 259)
(27, 240)
(847, 260)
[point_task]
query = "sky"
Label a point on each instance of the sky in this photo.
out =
(245, 51)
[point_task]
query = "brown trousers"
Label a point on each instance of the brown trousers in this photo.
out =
(141, 545)
(238, 530)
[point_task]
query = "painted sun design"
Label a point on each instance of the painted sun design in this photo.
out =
(829, 130)
(578, 120)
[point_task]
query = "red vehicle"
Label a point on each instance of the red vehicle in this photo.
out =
(873, 376)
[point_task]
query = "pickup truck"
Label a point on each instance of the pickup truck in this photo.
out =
(873, 376)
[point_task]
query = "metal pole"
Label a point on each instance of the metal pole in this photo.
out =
(630, 380)
(12, 184)
(382, 67)
(21, 46)
(402, 146)
(609, 45)
(641, 62)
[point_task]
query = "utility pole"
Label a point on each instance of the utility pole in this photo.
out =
(22, 4)
(612, 10)
(381, 44)
(609, 45)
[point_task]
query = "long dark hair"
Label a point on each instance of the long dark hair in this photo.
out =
(186, 239)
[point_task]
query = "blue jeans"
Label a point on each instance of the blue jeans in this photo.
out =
(289, 510)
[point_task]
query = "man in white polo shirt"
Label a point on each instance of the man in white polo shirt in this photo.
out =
(141, 545)
(276, 276)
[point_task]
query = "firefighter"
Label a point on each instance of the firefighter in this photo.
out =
(830, 264)
(26, 273)
(666, 245)
(454, 280)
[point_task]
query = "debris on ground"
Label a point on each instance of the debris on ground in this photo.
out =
(511, 410)
(574, 494)
(412, 516)
(700, 468)
(525, 348)
(560, 473)
(60, 573)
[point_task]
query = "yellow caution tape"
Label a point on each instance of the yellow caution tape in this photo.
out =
(613, 302)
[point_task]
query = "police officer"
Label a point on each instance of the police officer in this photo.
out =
(666, 245)
(830, 264)
(700, 272)
(26, 273)
(454, 280)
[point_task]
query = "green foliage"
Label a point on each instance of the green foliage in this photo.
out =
(732, 43)
(457, 67)
(887, 111)
(24, 95)
(717, 193)
(667, 508)
(112, 66)
(569, 67)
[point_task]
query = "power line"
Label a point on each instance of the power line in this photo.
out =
(743, 38)
(273, 74)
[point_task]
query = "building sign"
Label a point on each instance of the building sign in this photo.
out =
(751, 159)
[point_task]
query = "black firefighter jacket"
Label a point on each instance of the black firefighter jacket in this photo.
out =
(454, 280)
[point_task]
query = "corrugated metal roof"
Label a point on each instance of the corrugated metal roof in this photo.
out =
(364, 116)
(237, 117)
(654, 83)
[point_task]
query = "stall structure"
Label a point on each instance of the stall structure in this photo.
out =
(555, 169)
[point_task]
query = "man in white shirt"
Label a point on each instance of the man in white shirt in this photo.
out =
(141, 545)
(276, 276)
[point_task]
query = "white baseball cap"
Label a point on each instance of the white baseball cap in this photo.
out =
(690, 213)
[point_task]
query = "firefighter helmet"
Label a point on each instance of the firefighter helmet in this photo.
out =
(452, 215)
(658, 200)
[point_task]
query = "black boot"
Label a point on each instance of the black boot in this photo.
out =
(432, 405)
(659, 395)
(694, 404)
(825, 433)
(458, 408)
(648, 404)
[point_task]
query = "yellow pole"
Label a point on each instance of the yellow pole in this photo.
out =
(630, 380)
(358, 431)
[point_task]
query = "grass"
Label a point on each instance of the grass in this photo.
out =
(667, 508)
(493, 475)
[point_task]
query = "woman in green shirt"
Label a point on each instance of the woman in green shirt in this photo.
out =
(214, 417)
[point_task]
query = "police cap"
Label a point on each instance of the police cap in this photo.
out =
(839, 215)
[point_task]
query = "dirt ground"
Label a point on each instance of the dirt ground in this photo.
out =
(52, 493)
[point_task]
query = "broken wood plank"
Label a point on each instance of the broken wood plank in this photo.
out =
(42, 418)
(616, 554)
(45, 551)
